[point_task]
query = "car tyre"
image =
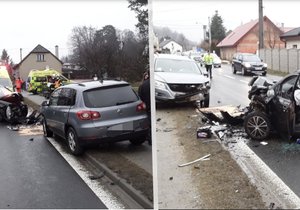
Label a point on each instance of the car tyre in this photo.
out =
(257, 125)
(47, 132)
(139, 140)
(206, 101)
(73, 143)
(233, 69)
(264, 74)
(243, 71)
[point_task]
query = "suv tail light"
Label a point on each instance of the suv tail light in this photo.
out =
(141, 107)
(88, 115)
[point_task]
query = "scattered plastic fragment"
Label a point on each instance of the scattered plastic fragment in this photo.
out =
(263, 143)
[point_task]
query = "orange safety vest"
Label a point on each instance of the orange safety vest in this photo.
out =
(19, 83)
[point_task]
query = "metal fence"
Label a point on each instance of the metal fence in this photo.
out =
(283, 60)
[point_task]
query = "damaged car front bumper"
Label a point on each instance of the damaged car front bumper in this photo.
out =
(181, 93)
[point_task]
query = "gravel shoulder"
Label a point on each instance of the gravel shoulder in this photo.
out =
(211, 184)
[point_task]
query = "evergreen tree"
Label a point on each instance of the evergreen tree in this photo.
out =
(218, 31)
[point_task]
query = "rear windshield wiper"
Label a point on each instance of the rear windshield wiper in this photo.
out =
(126, 102)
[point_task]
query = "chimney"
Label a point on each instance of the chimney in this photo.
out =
(20, 54)
(56, 51)
(282, 25)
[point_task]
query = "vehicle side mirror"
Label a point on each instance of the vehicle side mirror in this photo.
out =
(45, 103)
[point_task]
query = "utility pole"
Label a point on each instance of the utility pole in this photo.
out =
(209, 25)
(261, 24)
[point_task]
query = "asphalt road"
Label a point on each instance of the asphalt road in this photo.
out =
(281, 156)
(34, 175)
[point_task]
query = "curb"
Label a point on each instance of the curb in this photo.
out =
(132, 192)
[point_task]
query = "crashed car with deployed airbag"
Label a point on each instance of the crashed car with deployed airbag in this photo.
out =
(274, 106)
(12, 107)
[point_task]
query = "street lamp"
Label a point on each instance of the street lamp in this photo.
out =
(209, 33)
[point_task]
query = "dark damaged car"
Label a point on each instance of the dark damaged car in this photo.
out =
(12, 107)
(179, 79)
(274, 107)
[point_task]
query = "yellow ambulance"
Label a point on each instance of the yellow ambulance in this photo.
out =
(38, 79)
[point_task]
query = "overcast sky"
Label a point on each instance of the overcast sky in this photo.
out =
(189, 16)
(25, 24)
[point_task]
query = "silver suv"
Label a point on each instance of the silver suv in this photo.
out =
(179, 79)
(95, 112)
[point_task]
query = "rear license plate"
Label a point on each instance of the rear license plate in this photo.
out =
(122, 127)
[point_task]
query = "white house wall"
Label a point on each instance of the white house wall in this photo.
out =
(289, 44)
(173, 48)
(32, 63)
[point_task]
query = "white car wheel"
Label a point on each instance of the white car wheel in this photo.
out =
(8, 113)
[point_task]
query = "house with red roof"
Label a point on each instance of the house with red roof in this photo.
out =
(245, 38)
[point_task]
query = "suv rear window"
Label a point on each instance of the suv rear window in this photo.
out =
(110, 96)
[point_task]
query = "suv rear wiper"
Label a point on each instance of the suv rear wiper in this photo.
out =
(126, 102)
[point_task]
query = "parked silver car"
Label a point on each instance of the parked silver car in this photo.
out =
(180, 79)
(95, 112)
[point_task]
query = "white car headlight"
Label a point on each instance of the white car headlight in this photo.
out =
(160, 85)
(265, 65)
(247, 65)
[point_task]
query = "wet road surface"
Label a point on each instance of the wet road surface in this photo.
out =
(34, 175)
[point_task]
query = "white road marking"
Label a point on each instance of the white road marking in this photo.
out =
(243, 81)
(229, 76)
(109, 201)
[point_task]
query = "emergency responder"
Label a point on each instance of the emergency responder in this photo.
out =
(208, 61)
(18, 84)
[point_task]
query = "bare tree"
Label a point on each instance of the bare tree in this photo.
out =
(271, 37)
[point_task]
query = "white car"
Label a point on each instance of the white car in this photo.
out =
(179, 79)
(217, 61)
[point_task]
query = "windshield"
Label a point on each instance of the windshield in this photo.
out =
(176, 66)
(41, 79)
(251, 58)
(112, 96)
(6, 82)
(4, 91)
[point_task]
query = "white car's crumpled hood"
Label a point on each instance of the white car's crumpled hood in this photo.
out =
(180, 78)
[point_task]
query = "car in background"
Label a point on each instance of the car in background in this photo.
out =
(248, 63)
(12, 107)
(217, 61)
(179, 79)
(95, 112)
